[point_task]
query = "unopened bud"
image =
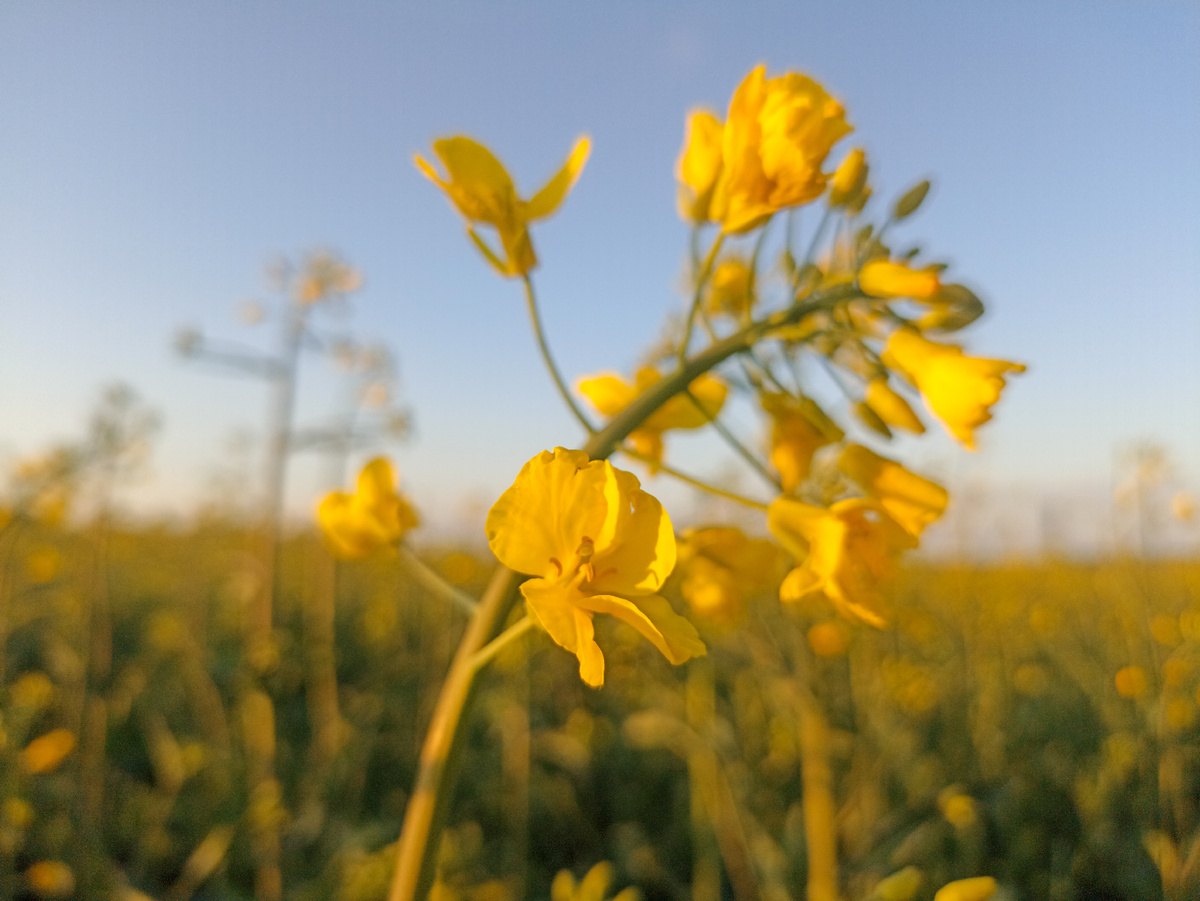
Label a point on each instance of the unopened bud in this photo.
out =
(849, 179)
(912, 200)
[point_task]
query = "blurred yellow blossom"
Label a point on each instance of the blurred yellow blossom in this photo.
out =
(596, 543)
(849, 178)
(1165, 630)
(1180, 713)
(721, 566)
(46, 752)
(699, 166)
(1176, 671)
(730, 290)
(900, 886)
(980, 888)
(43, 564)
(799, 428)
(891, 407)
(883, 278)
(913, 501)
(846, 549)
(1131, 682)
(17, 812)
(776, 138)
(482, 190)
(593, 886)
(958, 389)
(32, 690)
(375, 516)
(50, 879)
(610, 394)
(829, 639)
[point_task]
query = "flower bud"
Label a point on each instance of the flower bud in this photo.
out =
(911, 201)
(883, 278)
(849, 179)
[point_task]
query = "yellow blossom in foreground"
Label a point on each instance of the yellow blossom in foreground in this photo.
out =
(958, 389)
(721, 566)
(610, 394)
(979, 888)
(46, 752)
(846, 551)
(912, 501)
(483, 192)
(699, 166)
(891, 407)
(776, 138)
(596, 543)
(374, 517)
(882, 278)
(799, 428)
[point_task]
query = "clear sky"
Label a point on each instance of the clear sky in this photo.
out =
(154, 156)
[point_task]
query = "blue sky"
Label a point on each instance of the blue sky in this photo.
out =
(153, 157)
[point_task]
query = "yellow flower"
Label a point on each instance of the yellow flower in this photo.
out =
(50, 879)
(911, 500)
(775, 140)
(375, 516)
(699, 166)
(829, 639)
(1131, 682)
(721, 566)
(847, 550)
(593, 886)
(483, 191)
(891, 407)
(958, 389)
(610, 394)
(882, 278)
(46, 752)
(849, 178)
(730, 290)
(799, 428)
(596, 543)
(980, 888)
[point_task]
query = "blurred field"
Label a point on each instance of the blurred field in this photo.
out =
(1035, 722)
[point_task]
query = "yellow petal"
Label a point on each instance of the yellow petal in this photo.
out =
(652, 615)
(891, 407)
(479, 185)
(568, 625)
(793, 523)
(549, 198)
(641, 554)
(914, 502)
(607, 391)
(979, 888)
(377, 481)
(699, 166)
(336, 515)
(882, 278)
(799, 584)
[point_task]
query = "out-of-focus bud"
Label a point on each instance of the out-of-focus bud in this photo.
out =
(883, 278)
(849, 179)
(32, 691)
(901, 886)
(187, 341)
(1131, 682)
(46, 752)
(43, 564)
(829, 639)
(250, 312)
(50, 879)
(911, 201)
(978, 889)
(954, 307)
(891, 407)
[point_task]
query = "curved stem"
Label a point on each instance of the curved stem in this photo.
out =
(485, 655)
(698, 295)
(431, 581)
(733, 442)
(536, 319)
(693, 481)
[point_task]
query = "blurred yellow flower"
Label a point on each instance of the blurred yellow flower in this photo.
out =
(1180, 713)
(849, 178)
(610, 394)
(593, 886)
(958, 389)
(594, 540)
(883, 278)
(829, 639)
(375, 516)
(481, 188)
(776, 138)
(846, 549)
(721, 566)
(912, 501)
(799, 428)
(1131, 682)
(1176, 671)
(891, 407)
(46, 752)
(979, 888)
(900, 886)
(43, 564)
(699, 166)
(50, 879)
(730, 291)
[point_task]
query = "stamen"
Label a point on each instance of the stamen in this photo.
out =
(557, 565)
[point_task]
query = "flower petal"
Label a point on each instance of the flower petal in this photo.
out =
(568, 625)
(642, 552)
(550, 197)
(607, 391)
(655, 619)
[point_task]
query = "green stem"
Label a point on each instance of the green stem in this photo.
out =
(693, 481)
(434, 583)
(536, 319)
(486, 654)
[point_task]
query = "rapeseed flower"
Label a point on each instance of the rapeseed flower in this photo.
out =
(883, 278)
(849, 178)
(610, 394)
(891, 408)
(46, 752)
(911, 500)
(846, 550)
(958, 389)
(484, 193)
(799, 428)
(595, 543)
(700, 166)
(731, 289)
(721, 566)
(375, 516)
